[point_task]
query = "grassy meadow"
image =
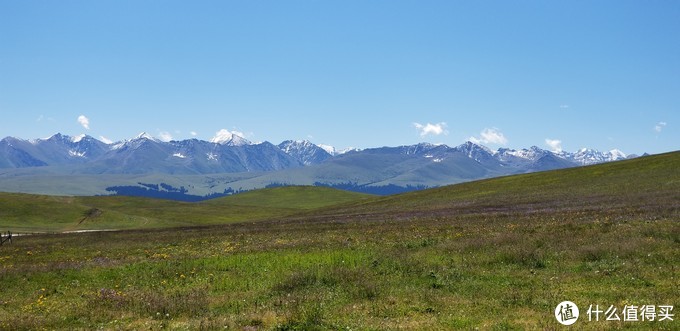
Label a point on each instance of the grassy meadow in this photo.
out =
(498, 254)
(35, 213)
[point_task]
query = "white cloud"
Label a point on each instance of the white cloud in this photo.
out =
(555, 144)
(490, 136)
(659, 126)
(164, 136)
(429, 128)
(564, 106)
(106, 140)
(193, 133)
(84, 121)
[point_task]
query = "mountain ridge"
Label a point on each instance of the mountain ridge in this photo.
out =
(304, 151)
(233, 163)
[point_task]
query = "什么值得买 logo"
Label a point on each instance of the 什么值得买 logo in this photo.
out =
(566, 313)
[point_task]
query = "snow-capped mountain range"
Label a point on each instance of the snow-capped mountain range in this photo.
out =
(229, 152)
(54, 165)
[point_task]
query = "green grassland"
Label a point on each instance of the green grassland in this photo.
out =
(497, 254)
(293, 197)
(626, 187)
(36, 213)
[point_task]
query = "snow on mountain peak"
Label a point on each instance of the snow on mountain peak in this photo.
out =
(78, 138)
(144, 135)
(304, 151)
(586, 156)
(59, 137)
(335, 152)
(617, 154)
(347, 150)
(473, 150)
(230, 138)
(290, 146)
(136, 141)
(328, 148)
(56, 136)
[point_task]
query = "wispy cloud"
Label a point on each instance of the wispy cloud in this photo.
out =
(193, 133)
(84, 121)
(42, 118)
(490, 136)
(164, 136)
(563, 106)
(659, 126)
(554, 144)
(429, 128)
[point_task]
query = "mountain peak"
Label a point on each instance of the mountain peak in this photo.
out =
(144, 135)
(296, 142)
(335, 152)
(226, 137)
(328, 148)
(616, 153)
(59, 137)
(78, 138)
(55, 137)
(304, 151)
(138, 140)
(469, 147)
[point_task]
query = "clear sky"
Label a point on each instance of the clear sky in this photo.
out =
(555, 74)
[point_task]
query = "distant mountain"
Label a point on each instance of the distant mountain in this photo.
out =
(421, 165)
(288, 163)
(55, 150)
(227, 138)
(233, 154)
(335, 152)
(18, 153)
(304, 151)
(586, 156)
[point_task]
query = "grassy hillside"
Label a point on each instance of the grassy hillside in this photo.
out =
(643, 185)
(291, 197)
(30, 213)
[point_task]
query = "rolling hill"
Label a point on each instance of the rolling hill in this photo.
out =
(645, 185)
(625, 189)
(39, 213)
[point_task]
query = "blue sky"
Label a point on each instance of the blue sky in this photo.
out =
(555, 74)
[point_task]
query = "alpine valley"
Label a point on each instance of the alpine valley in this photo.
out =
(196, 169)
